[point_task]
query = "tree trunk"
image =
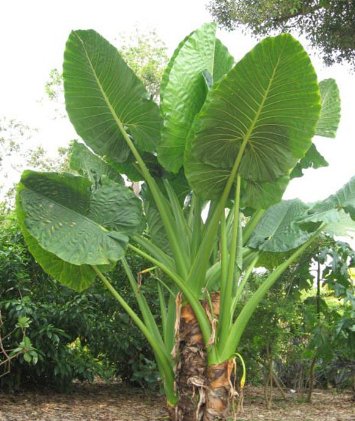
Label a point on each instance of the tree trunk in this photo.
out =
(314, 359)
(268, 378)
(311, 380)
(204, 391)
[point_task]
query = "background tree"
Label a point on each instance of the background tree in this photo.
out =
(328, 24)
(18, 150)
(146, 54)
(302, 335)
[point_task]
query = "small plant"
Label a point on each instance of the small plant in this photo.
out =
(23, 349)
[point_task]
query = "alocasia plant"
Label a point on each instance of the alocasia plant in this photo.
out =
(212, 162)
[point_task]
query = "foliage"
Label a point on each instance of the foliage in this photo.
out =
(146, 54)
(338, 259)
(24, 347)
(61, 335)
(93, 319)
(296, 325)
(277, 325)
(54, 85)
(223, 140)
(328, 24)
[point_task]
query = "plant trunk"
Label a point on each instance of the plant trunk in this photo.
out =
(218, 394)
(204, 391)
(191, 368)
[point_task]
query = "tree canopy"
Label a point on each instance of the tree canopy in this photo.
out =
(328, 24)
(146, 54)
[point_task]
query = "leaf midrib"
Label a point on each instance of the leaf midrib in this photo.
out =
(118, 121)
(258, 113)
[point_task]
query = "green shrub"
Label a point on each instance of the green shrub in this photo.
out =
(68, 335)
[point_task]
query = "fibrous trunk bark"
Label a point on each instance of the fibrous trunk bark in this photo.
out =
(204, 391)
(191, 368)
(218, 395)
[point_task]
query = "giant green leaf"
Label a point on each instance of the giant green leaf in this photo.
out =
(166, 74)
(342, 226)
(116, 207)
(327, 126)
(336, 213)
(261, 195)
(223, 61)
(103, 96)
(336, 222)
(263, 113)
(184, 89)
(77, 277)
(312, 159)
(330, 114)
(278, 231)
(74, 276)
(79, 225)
(343, 199)
(90, 165)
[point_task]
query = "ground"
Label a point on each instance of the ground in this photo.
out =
(116, 403)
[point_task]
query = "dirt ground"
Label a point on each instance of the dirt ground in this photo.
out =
(116, 403)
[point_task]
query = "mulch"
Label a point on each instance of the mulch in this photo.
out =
(96, 402)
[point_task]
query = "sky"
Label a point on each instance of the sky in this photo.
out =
(33, 35)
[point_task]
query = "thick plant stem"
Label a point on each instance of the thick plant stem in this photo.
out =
(218, 394)
(199, 267)
(228, 279)
(205, 391)
(144, 307)
(191, 368)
